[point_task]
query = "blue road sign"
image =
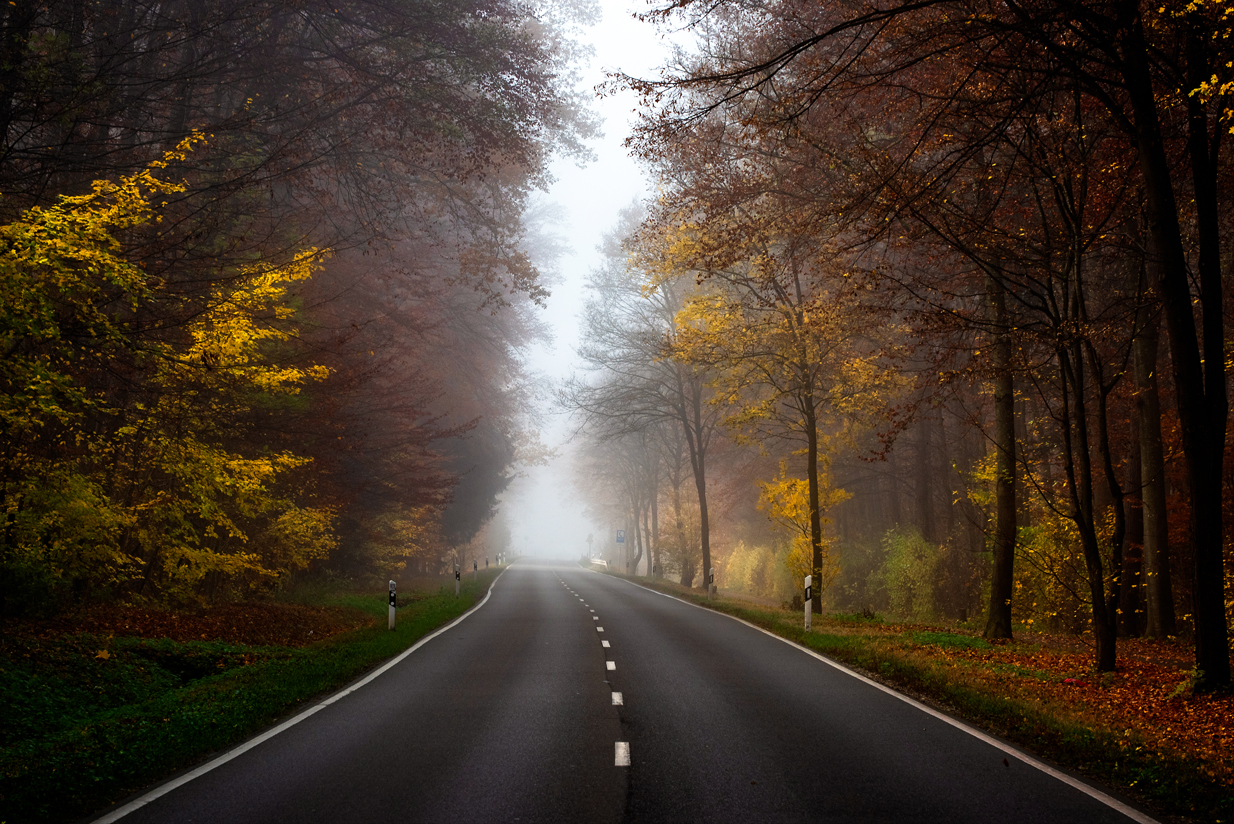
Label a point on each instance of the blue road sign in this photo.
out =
(621, 536)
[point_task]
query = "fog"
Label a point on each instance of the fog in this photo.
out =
(545, 516)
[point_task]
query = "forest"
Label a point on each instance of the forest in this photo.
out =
(268, 270)
(929, 304)
(925, 302)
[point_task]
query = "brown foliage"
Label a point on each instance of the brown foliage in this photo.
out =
(256, 624)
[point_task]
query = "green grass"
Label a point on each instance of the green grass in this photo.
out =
(857, 617)
(949, 640)
(79, 732)
(1171, 783)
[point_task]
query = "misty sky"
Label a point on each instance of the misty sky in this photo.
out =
(545, 515)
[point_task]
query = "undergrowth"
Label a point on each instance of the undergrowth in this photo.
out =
(88, 720)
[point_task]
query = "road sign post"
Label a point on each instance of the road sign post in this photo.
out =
(809, 600)
(392, 600)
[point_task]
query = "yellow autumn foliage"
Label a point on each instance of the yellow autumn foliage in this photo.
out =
(108, 489)
(788, 344)
(786, 501)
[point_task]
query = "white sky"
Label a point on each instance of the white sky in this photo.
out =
(545, 516)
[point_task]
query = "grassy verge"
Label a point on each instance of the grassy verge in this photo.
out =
(83, 729)
(993, 689)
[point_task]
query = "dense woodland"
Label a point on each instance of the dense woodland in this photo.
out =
(930, 304)
(267, 270)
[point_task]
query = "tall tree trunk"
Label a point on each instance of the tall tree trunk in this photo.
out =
(632, 565)
(1211, 628)
(816, 519)
(1200, 390)
(1159, 619)
(998, 621)
(1117, 501)
(655, 533)
(1077, 462)
(698, 454)
(647, 535)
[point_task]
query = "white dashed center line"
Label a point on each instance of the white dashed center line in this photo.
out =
(622, 754)
(617, 700)
(599, 629)
(604, 644)
(595, 617)
(611, 665)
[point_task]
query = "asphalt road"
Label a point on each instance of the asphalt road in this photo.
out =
(525, 711)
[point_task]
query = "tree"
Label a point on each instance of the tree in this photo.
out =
(159, 494)
(1141, 70)
(406, 138)
(779, 337)
(629, 332)
(787, 502)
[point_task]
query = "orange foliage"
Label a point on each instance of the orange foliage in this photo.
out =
(1146, 700)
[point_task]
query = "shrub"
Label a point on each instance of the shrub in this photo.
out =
(909, 572)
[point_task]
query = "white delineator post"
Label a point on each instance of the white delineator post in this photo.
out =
(711, 583)
(809, 600)
(475, 570)
(392, 596)
(457, 577)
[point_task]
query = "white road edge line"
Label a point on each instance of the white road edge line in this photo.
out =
(176, 783)
(1091, 792)
(621, 754)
